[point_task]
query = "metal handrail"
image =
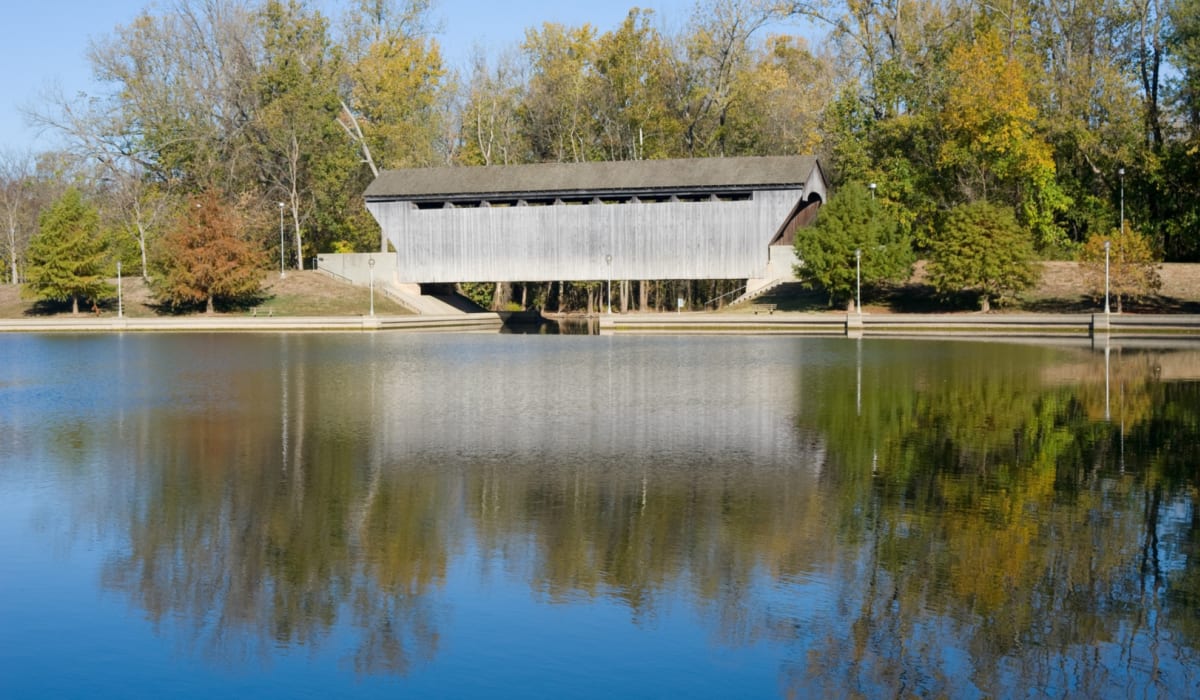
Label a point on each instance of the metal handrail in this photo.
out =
(724, 295)
(390, 294)
(335, 275)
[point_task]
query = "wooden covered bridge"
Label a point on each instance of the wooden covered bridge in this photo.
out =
(713, 218)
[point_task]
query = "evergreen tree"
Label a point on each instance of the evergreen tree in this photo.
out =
(66, 257)
(853, 220)
(981, 248)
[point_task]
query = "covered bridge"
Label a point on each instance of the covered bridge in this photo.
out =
(712, 218)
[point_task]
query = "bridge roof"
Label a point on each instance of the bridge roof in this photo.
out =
(542, 180)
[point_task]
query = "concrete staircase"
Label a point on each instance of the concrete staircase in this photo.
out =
(754, 291)
(422, 304)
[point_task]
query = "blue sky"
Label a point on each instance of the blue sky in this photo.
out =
(44, 42)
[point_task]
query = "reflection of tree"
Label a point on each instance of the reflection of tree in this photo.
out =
(260, 546)
(637, 535)
(997, 520)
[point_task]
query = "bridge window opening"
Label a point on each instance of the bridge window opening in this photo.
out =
(582, 200)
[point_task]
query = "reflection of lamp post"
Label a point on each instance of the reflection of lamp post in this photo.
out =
(120, 306)
(1107, 409)
(858, 280)
(872, 188)
(608, 261)
(371, 272)
(281, 273)
(1121, 172)
(1107, 245)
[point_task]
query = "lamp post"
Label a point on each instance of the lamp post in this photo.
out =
(371, 272)
(281, 272)
(120, 304)
(872, 188)
(608, 261)
(858, 280)
(1121, 173)
(1107, 245)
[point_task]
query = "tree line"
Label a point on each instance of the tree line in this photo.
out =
(1051, 119)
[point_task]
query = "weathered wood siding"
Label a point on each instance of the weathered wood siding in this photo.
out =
(647, 240)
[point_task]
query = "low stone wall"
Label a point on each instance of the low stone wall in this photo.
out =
(452, 322)
(979, 325)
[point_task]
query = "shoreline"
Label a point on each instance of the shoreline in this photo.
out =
(998, 325)
(1084, 326)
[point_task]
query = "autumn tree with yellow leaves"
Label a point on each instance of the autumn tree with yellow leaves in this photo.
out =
(1132, 266)
(994, 150)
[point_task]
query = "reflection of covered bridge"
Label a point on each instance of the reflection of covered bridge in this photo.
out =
(714, 218)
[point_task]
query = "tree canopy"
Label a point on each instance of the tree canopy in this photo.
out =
(853, 220)
(67, 255)
(1132, 265)
(205, 256)
(981, 249)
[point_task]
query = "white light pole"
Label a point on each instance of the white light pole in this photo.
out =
(371, 272)
(120, 306)
(1107, 245)
(608, 261)
(281, 272)
(1121, 172)
(872, 188)
(858, 280)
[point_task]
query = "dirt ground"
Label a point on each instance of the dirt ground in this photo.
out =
(1062, 288)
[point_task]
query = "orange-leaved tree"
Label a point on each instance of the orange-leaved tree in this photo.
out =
(206, 256)
(1132, 265)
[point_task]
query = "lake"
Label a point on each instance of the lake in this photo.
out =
(331, 515)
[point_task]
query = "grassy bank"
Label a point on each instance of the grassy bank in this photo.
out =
(306, 293)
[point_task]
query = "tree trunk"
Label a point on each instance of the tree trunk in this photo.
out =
(985, 304)
(74, 306)
(208, 307)
(502, 296)
(643, 295)
(560, 297)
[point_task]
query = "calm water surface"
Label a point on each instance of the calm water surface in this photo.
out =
(567, 516)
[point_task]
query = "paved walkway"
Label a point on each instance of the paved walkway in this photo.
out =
(222, 323)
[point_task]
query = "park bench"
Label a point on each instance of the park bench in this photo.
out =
(764, 308)
(262, 311)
